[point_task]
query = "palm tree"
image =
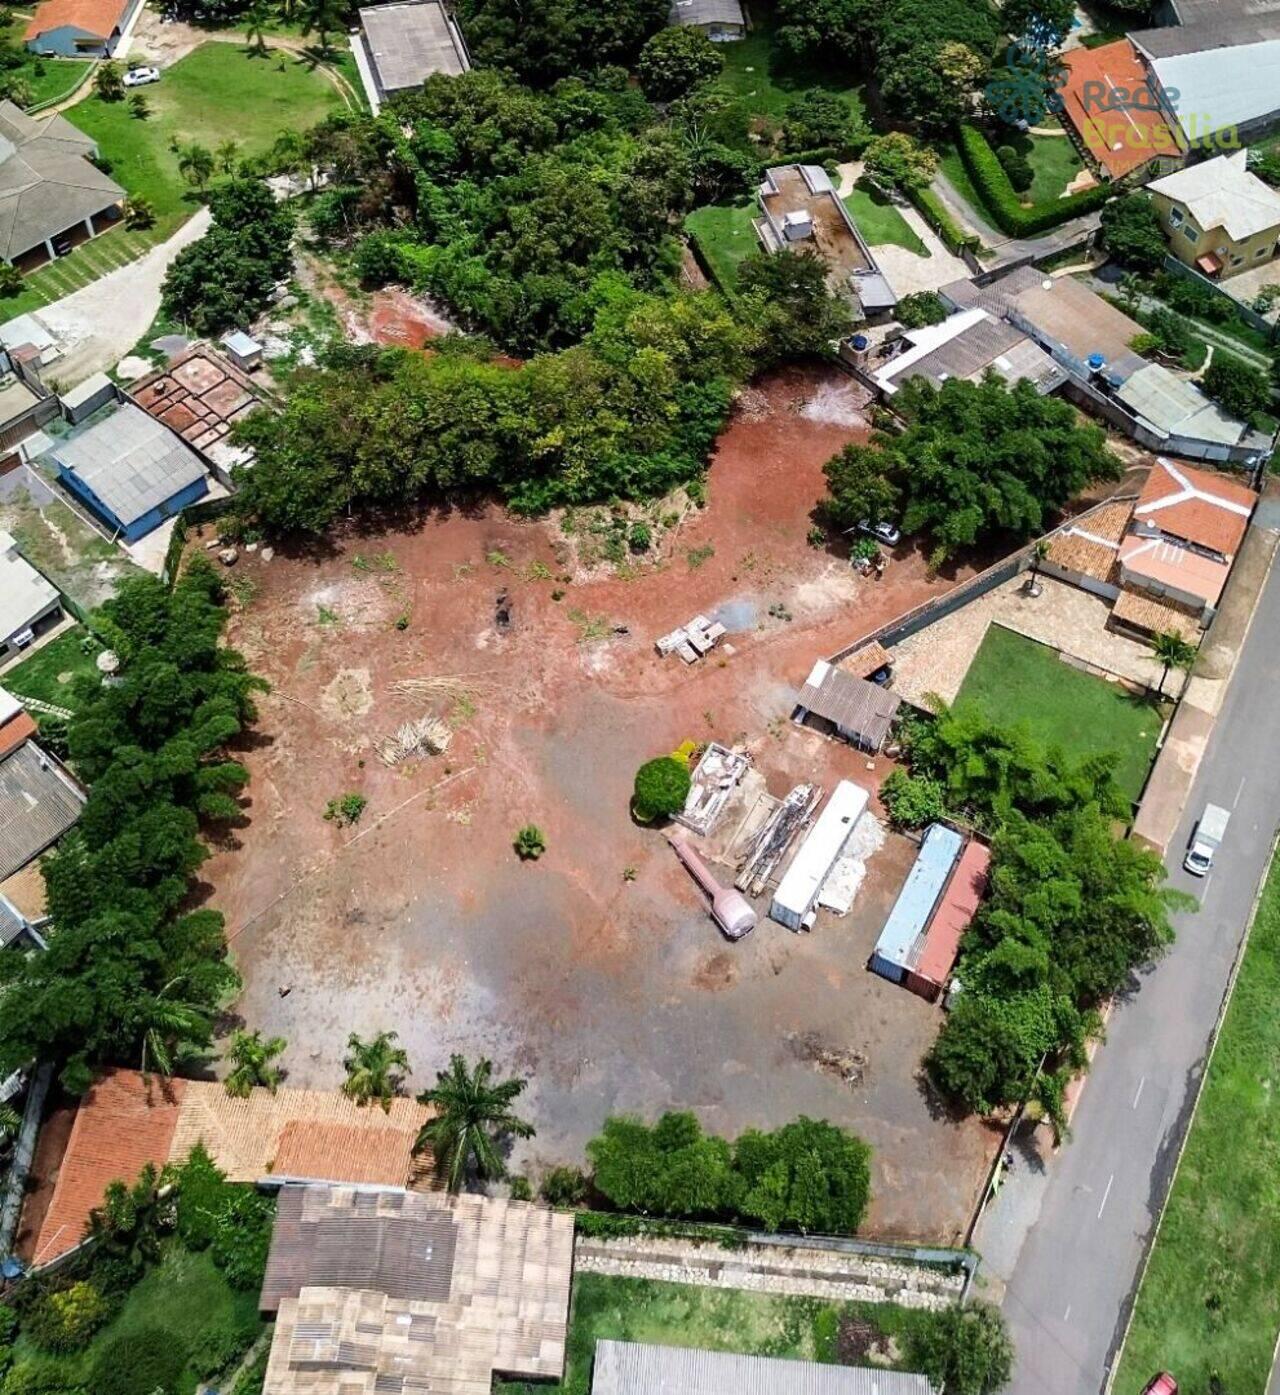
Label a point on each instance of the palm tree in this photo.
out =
(251, 1059)
(139, 212)
(10, 1123)
(195, 164)
(471, 1110)
(256, 19)
(168, 1022)
(1173, 652)
(1038, 553)
(375, 1069)
(321, 17)
(226, 155)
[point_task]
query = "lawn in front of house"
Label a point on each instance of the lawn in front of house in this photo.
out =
(724, 234)
(1209, 1306)
(45, 78)
(49, 674)
(880, 223)
(1013, 680)
(1056, 164)
(757, 1324)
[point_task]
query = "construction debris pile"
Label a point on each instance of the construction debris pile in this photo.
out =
(427, 736)
(769, 845)
(714, 780)
(692, 640)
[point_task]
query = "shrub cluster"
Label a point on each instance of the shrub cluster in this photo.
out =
(229, 1219)
(935, 213)
(993, 184)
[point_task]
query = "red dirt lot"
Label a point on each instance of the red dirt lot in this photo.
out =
(608, 992)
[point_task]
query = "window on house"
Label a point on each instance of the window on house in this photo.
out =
(1236, 260)
(1261, 252)
(1191, 233)
(1175, 217)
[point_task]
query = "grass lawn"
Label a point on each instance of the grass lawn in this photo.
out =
(185, 1295)
(1209, 1307)
(1014, 679)
(759, 1324)
(216, 94)
(47, 675)
(725, 235)
(880, 222)
(1056, 164)
(47, 78)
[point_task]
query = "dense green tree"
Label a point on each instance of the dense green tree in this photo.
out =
(669, 1169)
(126, 963)
(964, 1350)
(1132, 234)
(786, 297)
(471, 1112)
(931, 56)
(1048, 21)
(1237, 386)
(859, 487)
(808, 1175)
(543, 40)
(375, 1069)
(896, 161)
(832, 31)
(816, 118)
(911, 801)
(920, 308)
(676, 60)
(661, 788)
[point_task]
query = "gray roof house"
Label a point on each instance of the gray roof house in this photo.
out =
(641, 1368)
(29, 602)
(722, 21)
(130, 470)
(39, 802)
(399, 46)
(48, 187)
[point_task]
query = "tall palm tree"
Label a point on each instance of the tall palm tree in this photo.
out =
(251, 1059)
(471, 1111)
(375, 1069)
(1038, 553)
(168, 1022)
(226, 155)
(1173, 652)
(322, 18)
(196, 164)
(256, 19)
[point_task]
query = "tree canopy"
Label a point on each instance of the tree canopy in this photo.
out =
(1132, 234)
(1240, 388)
(151, 747)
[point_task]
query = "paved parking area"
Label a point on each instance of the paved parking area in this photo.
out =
(936, 659)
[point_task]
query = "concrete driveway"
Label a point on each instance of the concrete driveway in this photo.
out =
(98, 324)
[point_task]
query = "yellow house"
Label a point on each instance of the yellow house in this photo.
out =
(1218, 217)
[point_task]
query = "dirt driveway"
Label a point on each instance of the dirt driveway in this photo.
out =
(609, 991)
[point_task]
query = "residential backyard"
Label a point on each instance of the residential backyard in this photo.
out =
(46, 79)
(49, 674)
(757, 1324)
(217, 94)
(1014, 679)
(1209, 1306)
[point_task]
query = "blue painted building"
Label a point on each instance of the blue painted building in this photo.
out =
(909, 918)
(79, 28)
(130, 471)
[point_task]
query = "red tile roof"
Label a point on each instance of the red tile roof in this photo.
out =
(957, 908)
(1124, 138)
(1195, 505)
(123, 1123)
(344, 1152)
(15, 731)
(99, 17)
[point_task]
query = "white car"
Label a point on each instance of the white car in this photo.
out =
(139, 77)
(886, 532)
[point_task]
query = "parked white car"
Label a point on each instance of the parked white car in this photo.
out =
(886, 532)
(139, 77)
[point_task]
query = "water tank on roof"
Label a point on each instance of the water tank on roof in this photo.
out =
(859, 341)
(1096, 363)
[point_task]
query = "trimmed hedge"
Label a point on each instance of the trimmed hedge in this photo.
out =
(934, 212)
(992, 183)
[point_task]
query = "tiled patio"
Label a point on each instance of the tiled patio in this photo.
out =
(936, 659)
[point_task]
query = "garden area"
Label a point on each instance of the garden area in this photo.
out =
(49, 674)
(1209, 1306)
(1014, 679)
(165, 1298)
(232, 102)
(768, 1324)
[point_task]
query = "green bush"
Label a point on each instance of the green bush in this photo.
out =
(217, 1349)
(8, 1324)
(938, 216)
(920, 308)
(43, 1378)
(137, 1363)
(911, 801)
(65, 1320)
(965, 1350)
(564, 1186)
(662, 786)
(1001, 198)
(202, 1192)
(1017, 167)
(242, 1237)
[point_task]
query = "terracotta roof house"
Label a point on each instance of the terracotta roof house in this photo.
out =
(126, 1121)
(79, 28)
(400, 1292)
(399, 46)
(1110, 103)
(51, 193)
(1219, 217)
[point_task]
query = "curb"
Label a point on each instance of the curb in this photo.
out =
(1241, 950)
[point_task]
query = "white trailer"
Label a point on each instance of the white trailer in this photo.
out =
(796, 898)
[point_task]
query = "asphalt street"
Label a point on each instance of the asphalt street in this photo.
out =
(1068, 1296)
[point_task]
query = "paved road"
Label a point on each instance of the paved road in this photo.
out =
(1069, 1294)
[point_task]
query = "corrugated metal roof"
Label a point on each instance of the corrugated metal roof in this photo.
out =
(130, 461)
(408, 42)
(864, 710)
(38, 803)
(25, 594)
(698, 12)
(939, 850)
(11, 923)
(1219, 31)
(959, 904)
(1176, 407)
(1222, 87)
(641, 1368)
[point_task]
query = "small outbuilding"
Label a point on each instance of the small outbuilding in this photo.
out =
(243, 350)
(797, 894)
(29, 603)
(722, 21)
(859, 711)
(900, 941)
(399, 46)
(131, 471)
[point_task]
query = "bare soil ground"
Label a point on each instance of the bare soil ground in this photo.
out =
(609, 993)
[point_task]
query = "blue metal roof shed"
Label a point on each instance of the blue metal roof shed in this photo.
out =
(939, 850)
